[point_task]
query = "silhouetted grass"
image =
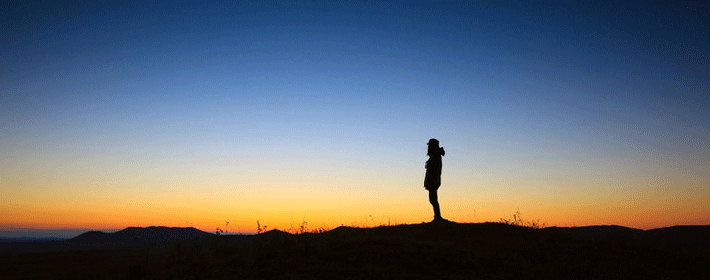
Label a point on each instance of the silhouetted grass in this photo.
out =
(418, 251)
(518, 220)
(427, 251)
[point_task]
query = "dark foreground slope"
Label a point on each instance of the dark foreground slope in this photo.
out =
(459, 251)
(422, 251)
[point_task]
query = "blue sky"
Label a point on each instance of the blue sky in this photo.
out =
(517, 92)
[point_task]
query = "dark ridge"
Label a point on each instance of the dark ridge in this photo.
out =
(688, 239)
(134, 236)
(685, 239)
(343, 229)
(468, 251)
(90, 237)
(414, 251)
(604, 230)
(693, 240)
(30, 239)
(682, 230)
(158, 234)
(274, 233)
(612, 233)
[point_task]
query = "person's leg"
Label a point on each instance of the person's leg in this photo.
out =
(434, 199)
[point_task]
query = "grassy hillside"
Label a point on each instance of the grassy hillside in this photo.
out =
(421, 251)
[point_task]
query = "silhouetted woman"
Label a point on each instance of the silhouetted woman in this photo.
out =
(432, 180)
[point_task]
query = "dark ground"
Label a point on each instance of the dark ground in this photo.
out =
(421, 251)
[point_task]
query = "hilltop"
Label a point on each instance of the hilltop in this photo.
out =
(418, 251)
(133, 236)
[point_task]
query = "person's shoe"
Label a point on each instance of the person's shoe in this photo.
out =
(440, 220)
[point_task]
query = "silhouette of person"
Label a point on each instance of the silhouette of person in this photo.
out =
(432, 180)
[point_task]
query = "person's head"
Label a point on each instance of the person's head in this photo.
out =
(434, 148)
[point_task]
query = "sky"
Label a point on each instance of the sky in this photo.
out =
(184, 113)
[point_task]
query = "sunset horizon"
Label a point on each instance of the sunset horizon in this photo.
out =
(317, 114)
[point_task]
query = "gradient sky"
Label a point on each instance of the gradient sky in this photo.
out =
(194, 113)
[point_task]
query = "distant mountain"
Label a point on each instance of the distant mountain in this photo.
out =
(138, 236)
(30, 239)
(90, 237)
(37, 234)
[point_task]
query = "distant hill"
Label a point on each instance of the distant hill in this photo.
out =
(90, 237)
(7, 233)
(683, 239)
(132, 237)
(138, 236)
(30, 239)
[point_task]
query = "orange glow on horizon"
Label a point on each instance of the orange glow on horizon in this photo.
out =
(330, 216)
(350, 197)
